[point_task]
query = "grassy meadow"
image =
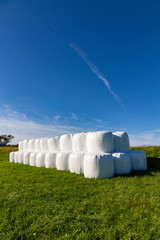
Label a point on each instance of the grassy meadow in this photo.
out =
(40, 203)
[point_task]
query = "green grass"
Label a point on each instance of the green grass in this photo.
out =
(39, 203)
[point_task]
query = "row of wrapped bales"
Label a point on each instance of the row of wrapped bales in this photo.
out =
(102, 165)
(92, 142)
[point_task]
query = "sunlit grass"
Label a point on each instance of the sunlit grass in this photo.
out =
(40, 203)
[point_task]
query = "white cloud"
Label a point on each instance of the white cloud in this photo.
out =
(95, 70)
(18, 125)
(145, 139)
(74, 116)
(57, 117)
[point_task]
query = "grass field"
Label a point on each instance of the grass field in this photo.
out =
(40, 203)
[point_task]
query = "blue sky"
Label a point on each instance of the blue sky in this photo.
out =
(72, 66)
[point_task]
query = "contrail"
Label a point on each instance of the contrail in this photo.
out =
(95, 70)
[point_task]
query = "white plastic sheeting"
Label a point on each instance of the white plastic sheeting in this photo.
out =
(26, 158)
(76, 163)
(11, 156)
(20, 146)
(37, 145)
(53, 144)
(95, 154)
(66, 143)
(40, 159)
(121, 142)
(98, 165)
(50, 160)
(138, 160)
(62, 161)
(16, 154)
(44, 145)
(79, 142)
(100, 142)
(32, 160)
(25, 146)
(31, 145)
(20, 157)
(122, 163)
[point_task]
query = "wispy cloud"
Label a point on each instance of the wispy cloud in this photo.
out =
(95, 70)
(74, 116)
(144, 139)
(17, 124)
(153, 131)
(57, 117)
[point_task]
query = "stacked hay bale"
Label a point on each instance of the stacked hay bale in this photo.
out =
(94, 154)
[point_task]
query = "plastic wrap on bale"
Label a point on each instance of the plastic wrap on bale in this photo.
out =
(53, 144)
(87, 153)
(98, 165)
(16, 154)
(37, 145)
(76, 163)
(62, 161)
(66, 143)
(11, 156)
(100, 142)
(79, 142)
(138, 160)
(20, 157)
(26, 158)
(25, 146)
(40, 159)
(121, 142)
(20, 146)
(32, 159)
(50, 160)
(44, 145)
(122, 163)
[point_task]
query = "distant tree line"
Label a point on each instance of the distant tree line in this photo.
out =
(5, 139)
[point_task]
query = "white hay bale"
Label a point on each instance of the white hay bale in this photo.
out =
(25, 146)
(20, 157)
(16, 157)
(32, 160)
(26, 158)
(66, 143)
(76, 163)
(121, 142)
(53, 144)
(40, 160)
(99, 142)
(20, 146)
(11, 156)
(50, 160)
(79, 142)
(62, 161)
(98, 165)
(122, 163)
(44, 145)
(37, 145)
(31, 145)
(138, 160)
